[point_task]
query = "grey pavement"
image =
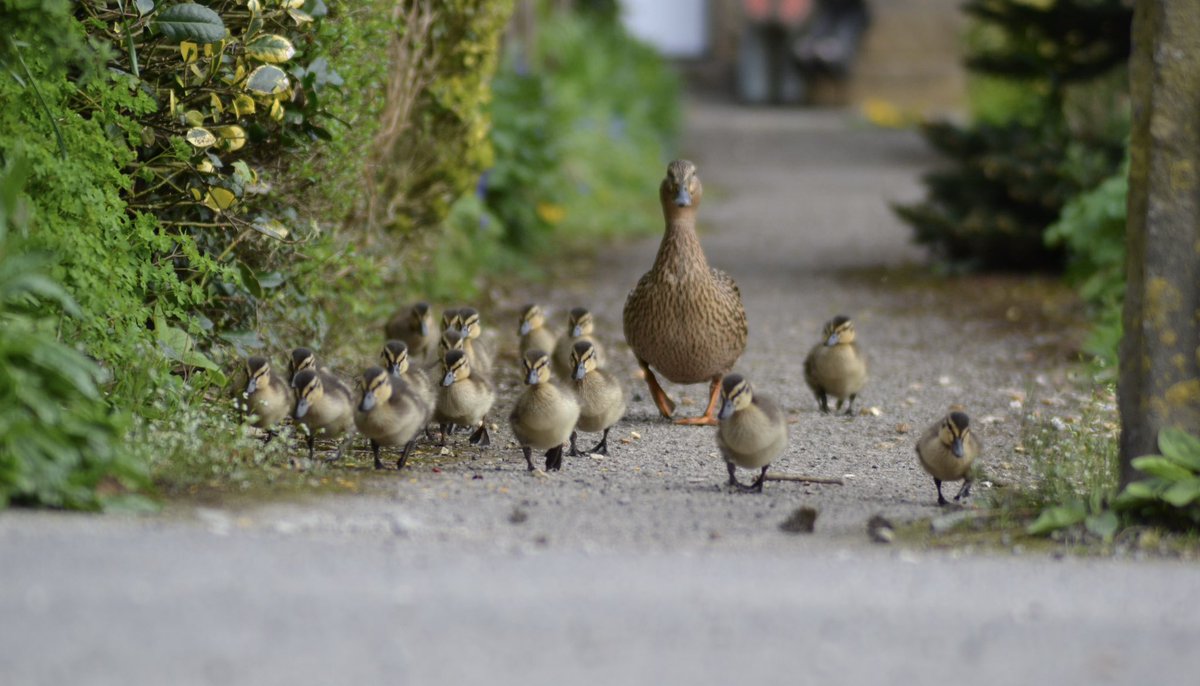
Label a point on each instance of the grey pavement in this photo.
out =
(642, 567)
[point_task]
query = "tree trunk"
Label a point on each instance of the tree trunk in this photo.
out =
(1159, 382)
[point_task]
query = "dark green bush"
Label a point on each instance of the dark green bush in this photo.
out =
(1010, 175)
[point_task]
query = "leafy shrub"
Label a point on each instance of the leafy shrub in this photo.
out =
(1092, 229)
(585, 158)
(59, 440)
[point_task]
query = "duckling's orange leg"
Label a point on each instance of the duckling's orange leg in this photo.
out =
(666, 406)
(709, 418)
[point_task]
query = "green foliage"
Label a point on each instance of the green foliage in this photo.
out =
(1092, 229)
(583, 125)
(1076, 467)
(59, 440)
(1170, 496)
(1040, 137)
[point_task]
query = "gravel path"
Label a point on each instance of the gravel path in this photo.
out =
(642, 567)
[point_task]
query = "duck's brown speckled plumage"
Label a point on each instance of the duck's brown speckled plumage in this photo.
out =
(684, 318)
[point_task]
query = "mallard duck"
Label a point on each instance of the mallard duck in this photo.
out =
(464, 398)
(836, 366)
(545, 415)
(533, 330)
(580, 325)
(395, 361)
(947, 449)
(267, 398)
(325, 406)
(477, 350)
(752, 430)
(601, 397)
(684, 318)
(414, 325)
(389, 413)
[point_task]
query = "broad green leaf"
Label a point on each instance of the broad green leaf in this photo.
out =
(200, 137)
(1182, 493)
(271, 48)
(1160, 467)
(1180, 447)
(194, 117)
(232, 137)
(267, 80)
(190, 22)
(1139, 493)
(145, 6)
(1058, 517)
(1104, 524)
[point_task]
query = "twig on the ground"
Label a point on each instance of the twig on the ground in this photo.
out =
(805, 479)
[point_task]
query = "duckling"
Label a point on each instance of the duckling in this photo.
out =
(684, 318)
(464, 398)
(601, 397)
(947, 449)
(580, 325)
(414, 326)
(752, 430)
(450, 320)
(395, 362)
(390, 412)
(267, 397)
(477, 350)
(325, 406)
(533, 330)
(545, 415)
(303, 358)
(836, 366)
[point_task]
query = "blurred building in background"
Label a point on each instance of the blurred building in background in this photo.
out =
(910, 56)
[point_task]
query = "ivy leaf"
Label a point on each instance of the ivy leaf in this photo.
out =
(1180, 447)
(200, 137)
(267, 80)
(271, 48)
(190, 22)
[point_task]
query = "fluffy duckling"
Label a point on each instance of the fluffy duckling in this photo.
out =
(947, 449)
(325, 406)
(601, 397)
(414, 325)
(464, 398)
(450, 320)
(533, 330)
(389, 413)
(580, 325)
(752, 430)
(477, 350)
(545, 415)
(684, 318)
(835, 366)
(395, 361)
(267, 398)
